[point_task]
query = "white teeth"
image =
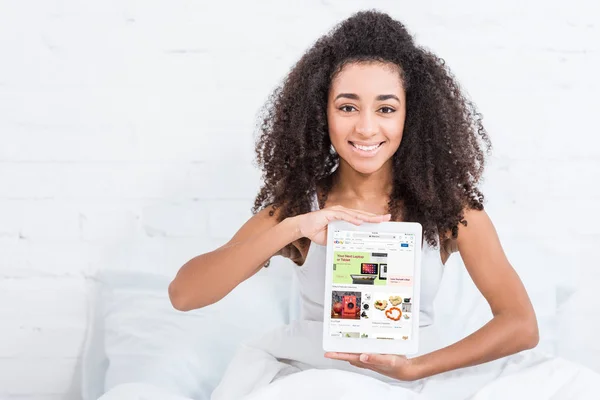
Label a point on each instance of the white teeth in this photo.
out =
(366, 148)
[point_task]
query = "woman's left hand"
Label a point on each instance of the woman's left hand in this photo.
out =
(394, 366)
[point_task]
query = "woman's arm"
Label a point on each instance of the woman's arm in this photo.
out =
(207, 278)
(514, 325)
(513, 328)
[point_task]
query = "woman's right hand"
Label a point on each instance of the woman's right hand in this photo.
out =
(313, 225)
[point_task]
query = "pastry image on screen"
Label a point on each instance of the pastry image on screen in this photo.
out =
(345, 305)
(390, 307)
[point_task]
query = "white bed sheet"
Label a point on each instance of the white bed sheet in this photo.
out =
(470, 308)
(257, 374)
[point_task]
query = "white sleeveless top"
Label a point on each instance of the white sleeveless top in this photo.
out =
(311, 280)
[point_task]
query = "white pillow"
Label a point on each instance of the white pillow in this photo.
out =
(138, 336)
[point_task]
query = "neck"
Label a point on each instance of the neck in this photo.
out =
(349, 183)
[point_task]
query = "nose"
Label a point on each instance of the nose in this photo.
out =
(366, 125)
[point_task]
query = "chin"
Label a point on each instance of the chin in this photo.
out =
(366, 168)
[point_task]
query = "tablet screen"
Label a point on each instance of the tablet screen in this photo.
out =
(372, 285)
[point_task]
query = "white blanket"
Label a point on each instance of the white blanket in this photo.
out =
(289, 364)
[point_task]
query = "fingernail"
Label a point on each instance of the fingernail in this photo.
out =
(364, 357)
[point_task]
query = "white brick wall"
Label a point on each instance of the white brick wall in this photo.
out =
(126, 141)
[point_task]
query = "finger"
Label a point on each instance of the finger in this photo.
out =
(356, 212)
(354, 218)
(343, 356)
(360, 211)
(343, 216)
(367, 215)
(357, 218)
(387, 360)
(357, 364)
(380, 218)
(372, 367)
(376, 219)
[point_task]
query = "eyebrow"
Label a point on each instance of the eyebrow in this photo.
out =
(381, 97)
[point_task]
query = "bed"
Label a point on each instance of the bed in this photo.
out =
(139, 347)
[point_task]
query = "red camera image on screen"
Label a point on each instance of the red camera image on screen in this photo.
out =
(349, 310)
(345, 305)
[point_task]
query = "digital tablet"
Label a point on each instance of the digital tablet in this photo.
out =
(372, 284)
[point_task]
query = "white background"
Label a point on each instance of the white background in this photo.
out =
(126, 141)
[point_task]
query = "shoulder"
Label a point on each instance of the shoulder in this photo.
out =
(475, 223)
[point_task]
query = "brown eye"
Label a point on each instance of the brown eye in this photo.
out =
(390, 110)
(345, 108)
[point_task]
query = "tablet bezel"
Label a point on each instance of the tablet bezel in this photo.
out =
(361, 345)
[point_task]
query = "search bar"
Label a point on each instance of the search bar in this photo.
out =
(366, 235)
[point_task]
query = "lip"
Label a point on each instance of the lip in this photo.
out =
(365, 144)
(366, 154)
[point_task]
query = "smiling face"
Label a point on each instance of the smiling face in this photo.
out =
(366, 112)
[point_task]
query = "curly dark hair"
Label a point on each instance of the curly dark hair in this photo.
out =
(441, 156)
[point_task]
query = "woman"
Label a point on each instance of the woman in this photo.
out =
(370, 127)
